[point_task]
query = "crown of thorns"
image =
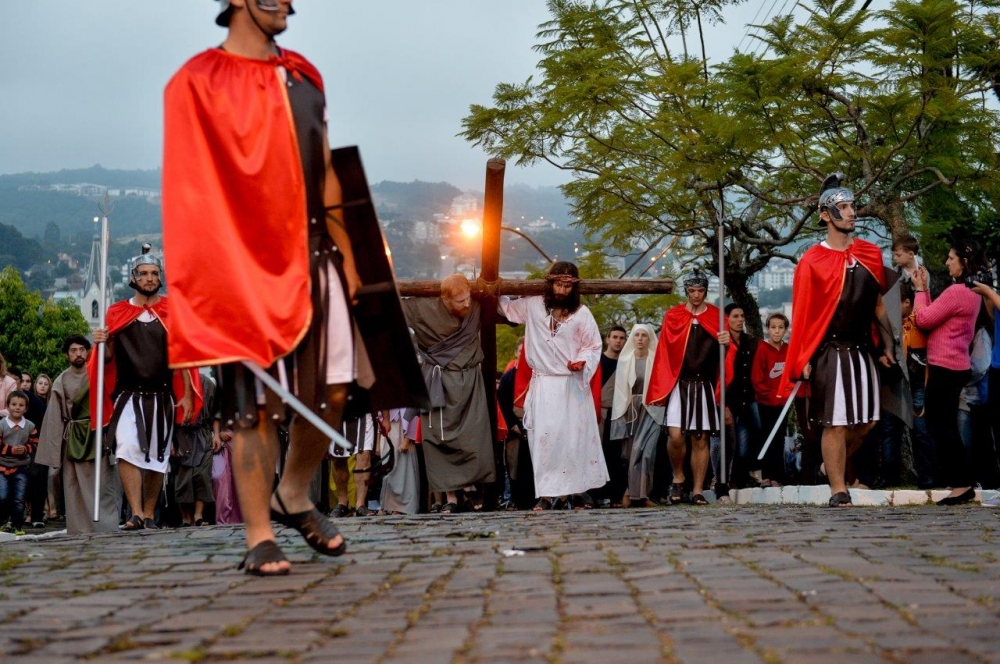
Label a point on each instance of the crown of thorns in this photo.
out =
(562, 277)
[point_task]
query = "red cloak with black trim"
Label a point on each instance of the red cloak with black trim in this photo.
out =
(816, 290)
(522, 379)
(235, 227)
(672, 345)
(121, 314)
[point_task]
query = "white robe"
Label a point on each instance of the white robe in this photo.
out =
(559, 413)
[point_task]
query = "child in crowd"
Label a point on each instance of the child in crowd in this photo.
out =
(915, 352)
(768, 365)
(18, 442)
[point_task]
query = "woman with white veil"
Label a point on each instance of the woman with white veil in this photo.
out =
(632, 421)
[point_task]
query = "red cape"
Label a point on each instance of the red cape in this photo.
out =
(816, 291)
(522, 379)
(235, 227)
(119, 315)
(672, 345)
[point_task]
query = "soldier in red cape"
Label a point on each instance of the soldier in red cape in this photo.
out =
(261, 268)
(140, 390)
(836, 303)
(686, 380)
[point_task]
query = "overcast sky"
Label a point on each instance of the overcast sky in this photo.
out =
(83, 79)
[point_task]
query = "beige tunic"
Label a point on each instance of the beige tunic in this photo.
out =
(77, 476)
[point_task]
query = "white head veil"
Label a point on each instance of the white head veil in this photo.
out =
(625, 375)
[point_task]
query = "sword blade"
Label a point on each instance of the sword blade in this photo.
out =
(300, 407)
(781, 418)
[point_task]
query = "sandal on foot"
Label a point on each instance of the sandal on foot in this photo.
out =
(340, 511)
(266, 552)
(435, 508)
(542, 505)
(362, 511)
(134, 523)
(676, 493)
(449, 508)
(698, 499)
(841, 499)
(581, 501)
(316, 529)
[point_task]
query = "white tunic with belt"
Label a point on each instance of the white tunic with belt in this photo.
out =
(559, 411)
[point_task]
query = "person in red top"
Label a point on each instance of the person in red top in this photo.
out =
(768, 365)
(254, 230)
(836, 301)
(685, 379)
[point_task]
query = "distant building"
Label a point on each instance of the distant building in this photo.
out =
(774, 278)
(464, 205)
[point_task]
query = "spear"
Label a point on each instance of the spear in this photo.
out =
(722, 349)
(106, 208)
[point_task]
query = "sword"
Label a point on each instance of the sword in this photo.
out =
(299, 407)
(781, 418)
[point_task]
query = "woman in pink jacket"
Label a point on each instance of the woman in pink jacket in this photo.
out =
(950, 324)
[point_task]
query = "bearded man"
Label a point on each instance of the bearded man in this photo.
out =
(140, 390)
(66, 444)
(562, 349)
(459, 449)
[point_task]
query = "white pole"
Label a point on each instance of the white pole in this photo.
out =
(722, 349)
(99, 415)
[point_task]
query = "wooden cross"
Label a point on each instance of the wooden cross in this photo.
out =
(490, 276)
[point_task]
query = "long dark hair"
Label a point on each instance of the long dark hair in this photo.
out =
(970, 257)
(573, 299)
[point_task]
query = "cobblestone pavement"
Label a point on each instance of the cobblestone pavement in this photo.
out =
(680, 584)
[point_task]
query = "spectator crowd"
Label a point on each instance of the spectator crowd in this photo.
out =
(940, 397)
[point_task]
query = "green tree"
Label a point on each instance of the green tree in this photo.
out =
(660, 141)
(33, 330)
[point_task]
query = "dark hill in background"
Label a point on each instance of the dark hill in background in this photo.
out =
(31, 211)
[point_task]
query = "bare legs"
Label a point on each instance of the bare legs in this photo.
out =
(838, 444)
(255, 453)
(676, 450)
(142, 488)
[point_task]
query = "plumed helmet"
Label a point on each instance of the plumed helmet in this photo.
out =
(832, 193)
(226, 10)
(145, 258)
(698, 279)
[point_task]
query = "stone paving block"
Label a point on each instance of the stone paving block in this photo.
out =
(747, 496)
(571, 655)
(870, 497)
(937, 656)
(814, 495)
(901, 497)
(790, 495)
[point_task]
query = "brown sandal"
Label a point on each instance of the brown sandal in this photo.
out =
(317, 530)
(266, 552)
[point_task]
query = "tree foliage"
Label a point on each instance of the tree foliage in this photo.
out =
(661, 141)
(33, 330)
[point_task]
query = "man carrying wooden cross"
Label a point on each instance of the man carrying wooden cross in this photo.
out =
(562, 346)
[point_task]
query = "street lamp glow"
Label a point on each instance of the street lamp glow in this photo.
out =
(470, 228)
